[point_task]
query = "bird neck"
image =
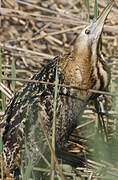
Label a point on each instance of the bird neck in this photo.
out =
(86, 69)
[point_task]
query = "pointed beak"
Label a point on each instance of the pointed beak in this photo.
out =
(97, 26)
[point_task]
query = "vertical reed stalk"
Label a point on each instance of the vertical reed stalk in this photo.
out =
(13, 73)
(88, 9)
(1, 144)
(1, 157)
(95, 9)
(54, 126)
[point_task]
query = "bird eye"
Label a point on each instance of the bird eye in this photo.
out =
(87, 31)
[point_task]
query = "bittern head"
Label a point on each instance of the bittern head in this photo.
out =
(90, 35)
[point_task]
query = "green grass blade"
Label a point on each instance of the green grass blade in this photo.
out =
(0, 66)
(95, 16)
(1, 145)
(28, 169)
(3, 101)
(88, 9)
(13, 73)
(2, 94)
(95, 9)
(1, 158)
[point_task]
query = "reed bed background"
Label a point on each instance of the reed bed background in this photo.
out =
(32, 33)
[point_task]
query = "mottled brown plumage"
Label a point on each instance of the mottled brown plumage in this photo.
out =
(83, 67)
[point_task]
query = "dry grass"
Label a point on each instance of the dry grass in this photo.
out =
(31, 34)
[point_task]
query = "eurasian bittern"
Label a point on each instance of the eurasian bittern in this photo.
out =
(84, 67)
